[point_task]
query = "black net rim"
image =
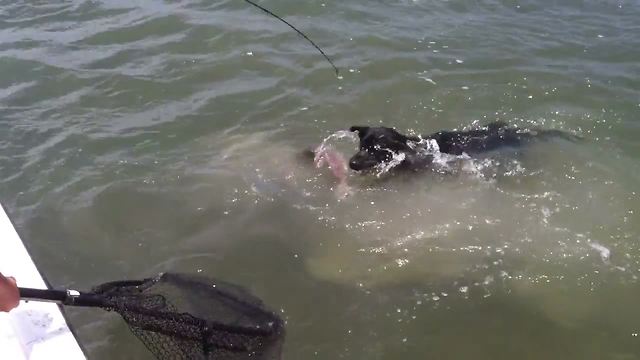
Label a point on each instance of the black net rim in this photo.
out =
(207, 333)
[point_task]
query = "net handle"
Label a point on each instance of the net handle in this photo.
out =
(65, 297)
(76, 298)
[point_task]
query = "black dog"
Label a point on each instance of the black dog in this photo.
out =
(379, 145)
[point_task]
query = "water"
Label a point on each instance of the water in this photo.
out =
(139, 137)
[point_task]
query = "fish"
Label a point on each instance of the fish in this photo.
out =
(327, 156)
(605, 253)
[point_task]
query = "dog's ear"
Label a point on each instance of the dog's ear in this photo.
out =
(360, 129)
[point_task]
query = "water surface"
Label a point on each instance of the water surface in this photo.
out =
(139, 137)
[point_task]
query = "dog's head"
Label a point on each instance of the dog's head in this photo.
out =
(378, 145)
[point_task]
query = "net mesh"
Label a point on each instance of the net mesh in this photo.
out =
(179, 316)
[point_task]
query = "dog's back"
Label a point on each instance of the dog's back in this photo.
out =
(379, 144)
(494, 136)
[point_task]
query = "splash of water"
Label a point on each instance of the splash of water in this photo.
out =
(396, 159)
(427, 148)
(339, 135)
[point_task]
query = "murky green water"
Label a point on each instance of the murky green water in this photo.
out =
(139, 137)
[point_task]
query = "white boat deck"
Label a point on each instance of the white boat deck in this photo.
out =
(33, 330)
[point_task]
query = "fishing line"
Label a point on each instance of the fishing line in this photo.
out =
(299, 33)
